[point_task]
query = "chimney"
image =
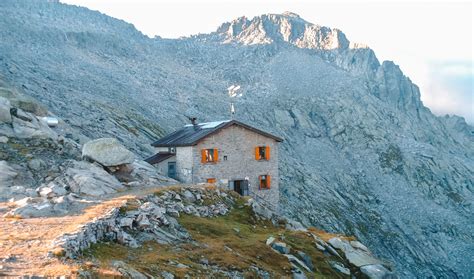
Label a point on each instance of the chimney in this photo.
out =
(193, 120)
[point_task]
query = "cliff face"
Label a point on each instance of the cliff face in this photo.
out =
(361, 156)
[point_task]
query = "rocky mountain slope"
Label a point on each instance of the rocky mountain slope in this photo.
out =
(362, 155)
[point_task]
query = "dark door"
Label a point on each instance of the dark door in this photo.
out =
(172, 169)
(237, 186)
(241, 187)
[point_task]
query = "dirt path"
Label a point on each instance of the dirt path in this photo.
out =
(24, 243)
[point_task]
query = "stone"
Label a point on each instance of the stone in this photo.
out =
(5, 116)
(7, 174)
(32, 129)
(297, 273)
(3, 139)
(356, 244)
(107, 152)
(360, 258)
(126, 239)
(281, 247)
(30, 105)
(340, 244)
(189, 197)
(320, 247)
(270, 240)
(172, 212)
(340, 268)
(377, 271)
(36, 164)
(126, 222)
(32, 208)
(333, 251)
(127, 271)
(306, 259)
(142, 221)
(62, 204)
(87, 179)
(52, 190)
(298, 262)
(167, 275)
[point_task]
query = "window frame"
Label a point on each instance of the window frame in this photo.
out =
(211, 180)
(209, 153)
(262, 156)
(267, 179)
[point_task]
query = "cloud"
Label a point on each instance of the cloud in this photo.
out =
(449, 89)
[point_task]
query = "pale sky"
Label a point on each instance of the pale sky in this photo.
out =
(431, 41)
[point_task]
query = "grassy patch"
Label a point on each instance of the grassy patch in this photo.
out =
(236, 241)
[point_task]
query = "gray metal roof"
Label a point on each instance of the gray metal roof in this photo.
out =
(192, 134)
(159, 157)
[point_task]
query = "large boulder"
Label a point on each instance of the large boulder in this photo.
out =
(108, 152)
(5, 116)
(87, 179)
(7, 174)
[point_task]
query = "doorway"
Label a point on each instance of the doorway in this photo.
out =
(172, 170)
(240, 186)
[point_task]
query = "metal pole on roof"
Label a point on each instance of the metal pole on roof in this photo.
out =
(232, 91)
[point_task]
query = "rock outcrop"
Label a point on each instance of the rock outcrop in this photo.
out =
(108, 152)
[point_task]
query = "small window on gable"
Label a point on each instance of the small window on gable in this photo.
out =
(264, 181)
(172, 150)
(209, 155)
(211, 180)
(262, 153)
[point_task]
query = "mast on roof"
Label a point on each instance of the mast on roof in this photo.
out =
(232, 91)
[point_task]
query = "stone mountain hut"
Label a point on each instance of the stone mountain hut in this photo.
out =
(226, 153)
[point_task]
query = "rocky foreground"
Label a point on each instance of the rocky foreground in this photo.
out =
(203, 231)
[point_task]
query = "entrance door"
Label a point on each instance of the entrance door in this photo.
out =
(241, 187)
(172, 170)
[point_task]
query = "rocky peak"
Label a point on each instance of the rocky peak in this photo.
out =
(282, 28)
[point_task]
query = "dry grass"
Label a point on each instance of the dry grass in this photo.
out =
(232, 242)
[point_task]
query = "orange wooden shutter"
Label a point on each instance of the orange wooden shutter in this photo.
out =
(216, 155)
(267, 153)
(257, 153)
(268, 182)
(203, 156)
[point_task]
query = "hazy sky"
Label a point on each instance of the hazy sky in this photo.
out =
(431, 41)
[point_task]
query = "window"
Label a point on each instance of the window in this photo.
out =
(262, 153)
(209, 156)
(211, 180)
(225, 158)
(264, 181)
(172, 150)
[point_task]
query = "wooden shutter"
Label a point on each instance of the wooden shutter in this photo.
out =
(216, 155)
(257, 153)
(203, 156)
(267, 153)
(268, 182)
